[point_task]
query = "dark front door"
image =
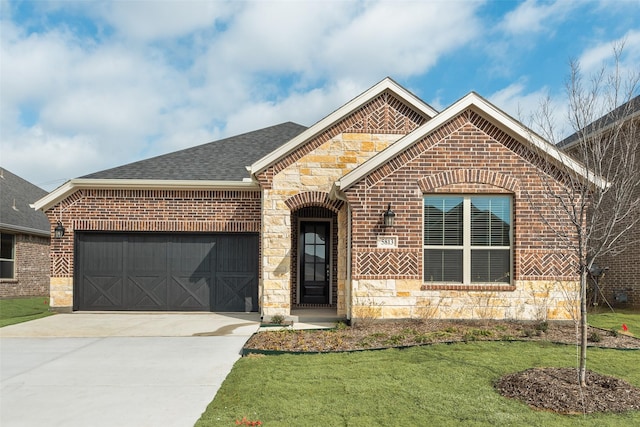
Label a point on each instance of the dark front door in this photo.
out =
(314, 268)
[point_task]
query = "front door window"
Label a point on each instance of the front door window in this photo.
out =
(315, 263)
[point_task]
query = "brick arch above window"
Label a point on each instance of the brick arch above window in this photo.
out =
(313, 198)
(469, 176)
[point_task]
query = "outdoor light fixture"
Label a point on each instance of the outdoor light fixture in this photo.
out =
(58, 232)
(389, 217)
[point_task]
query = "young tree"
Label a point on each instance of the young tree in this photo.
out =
(601, 198)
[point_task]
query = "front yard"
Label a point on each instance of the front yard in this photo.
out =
(439, 384)
(18, 310)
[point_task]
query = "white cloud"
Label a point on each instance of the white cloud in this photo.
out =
(601, 55)
(525, 106)
(148, 77)
(534, 16)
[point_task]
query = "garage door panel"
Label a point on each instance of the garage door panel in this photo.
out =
(146, 254)
(236, 292)
(102, 292)
(106, 254)
(191, 254)
(160, 271)
(146, 292)
(190, 293)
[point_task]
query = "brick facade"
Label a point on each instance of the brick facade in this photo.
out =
(199, 211)
(623, 276)
(467, 155)
(31, 268)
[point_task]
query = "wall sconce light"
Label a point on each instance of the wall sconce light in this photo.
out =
(389, 217)
(58, 232)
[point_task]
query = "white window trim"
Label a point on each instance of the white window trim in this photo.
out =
(466, 240)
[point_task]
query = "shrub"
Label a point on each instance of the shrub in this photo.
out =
(594, 337)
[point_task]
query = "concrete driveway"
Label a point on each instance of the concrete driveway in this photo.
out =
(117, 369)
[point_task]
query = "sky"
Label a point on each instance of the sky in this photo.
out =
(90, 85)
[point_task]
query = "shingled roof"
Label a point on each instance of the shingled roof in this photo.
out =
(222, 160)
(624, 112)
(16, 194)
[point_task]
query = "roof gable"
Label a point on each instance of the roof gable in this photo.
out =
(16, 194)
(387, 85)
(474, 103)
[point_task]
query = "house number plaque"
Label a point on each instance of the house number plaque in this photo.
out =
(387, 242)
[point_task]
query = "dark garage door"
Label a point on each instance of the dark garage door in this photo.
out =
(166, 272)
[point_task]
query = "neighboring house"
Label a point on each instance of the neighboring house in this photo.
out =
(290, 217)
(621, 282)
(24, 239)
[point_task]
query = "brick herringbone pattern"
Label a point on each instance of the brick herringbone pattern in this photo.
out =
(397, 264)
(544, 265)
(60, 266)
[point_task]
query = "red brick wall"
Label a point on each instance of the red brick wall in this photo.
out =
(466, 155)
(31, 268)
(624, 268)
(206, 211)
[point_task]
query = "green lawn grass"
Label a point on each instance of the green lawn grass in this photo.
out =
(606, 319)
(439, 385)
(18, 310)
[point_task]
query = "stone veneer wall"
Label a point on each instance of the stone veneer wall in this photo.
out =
(465, 156)
(314, 175)
(31, 268)
(198, 211)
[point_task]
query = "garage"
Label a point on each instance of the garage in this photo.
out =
(166, 272)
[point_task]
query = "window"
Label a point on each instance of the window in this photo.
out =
(7, 254)
(467, 239)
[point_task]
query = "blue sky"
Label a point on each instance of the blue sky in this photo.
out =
(89, 85)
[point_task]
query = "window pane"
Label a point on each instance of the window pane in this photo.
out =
(443, 221)
(309, 253)
(443, 265)
(6, 246)
(309, 271)
(490, 265)
(490, 221)
(6, 269)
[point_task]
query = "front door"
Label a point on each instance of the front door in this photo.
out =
(314, 264)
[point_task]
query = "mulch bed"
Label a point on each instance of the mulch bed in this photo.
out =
(552, 389)
(557, 390)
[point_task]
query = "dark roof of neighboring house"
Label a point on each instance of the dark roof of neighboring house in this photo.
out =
(16, 194)
(623, 112)
(223, 160)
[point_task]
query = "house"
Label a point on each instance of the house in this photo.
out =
(385, 208)
(24, 239)
(621, 282)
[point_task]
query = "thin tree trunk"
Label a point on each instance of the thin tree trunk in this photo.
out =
(582, 375)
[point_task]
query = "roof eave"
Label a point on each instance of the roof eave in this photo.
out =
(73, 185)
(331, 119)
(24, 230)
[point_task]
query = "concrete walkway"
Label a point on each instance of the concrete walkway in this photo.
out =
(117, 369)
